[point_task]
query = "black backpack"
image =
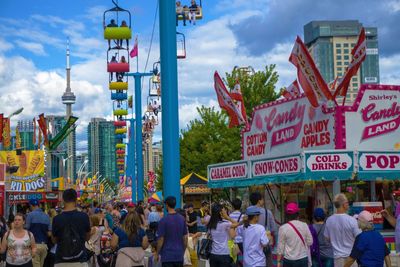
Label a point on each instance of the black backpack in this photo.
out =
(71, 245)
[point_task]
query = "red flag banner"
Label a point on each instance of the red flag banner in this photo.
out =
(236, 95)
(359, 53)
(43, 128)
(308, 75)
(1, 127)
(135, 50)
(292, 90)
(226, 102)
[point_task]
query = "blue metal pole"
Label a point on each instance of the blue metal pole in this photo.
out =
(130, 168)
(169, 96)
(138, 137)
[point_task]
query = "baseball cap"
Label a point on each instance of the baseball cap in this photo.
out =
(292, 208)
(97, 210)
(251, 211)
(365, 216)
(319, 213)
(131, 205)
(34, 202)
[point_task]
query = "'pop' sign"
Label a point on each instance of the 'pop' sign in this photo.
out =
(379, 161)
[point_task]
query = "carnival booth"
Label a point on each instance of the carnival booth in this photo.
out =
(194, 189)
(307, 154)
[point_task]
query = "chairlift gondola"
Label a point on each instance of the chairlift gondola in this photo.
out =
(199, 12)
(181, 45)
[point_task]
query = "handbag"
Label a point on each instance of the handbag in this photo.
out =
(131, 256)
(205, 248)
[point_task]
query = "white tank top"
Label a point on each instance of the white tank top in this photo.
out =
(19, 250)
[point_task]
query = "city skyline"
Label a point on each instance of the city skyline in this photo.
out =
(40, 57)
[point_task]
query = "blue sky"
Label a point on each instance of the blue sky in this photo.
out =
(233, 32)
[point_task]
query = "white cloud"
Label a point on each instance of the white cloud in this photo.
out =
(4, 45)
(389, 70)
(23, 85)
(35, 48)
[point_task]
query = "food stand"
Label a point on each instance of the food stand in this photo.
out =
(308, 154)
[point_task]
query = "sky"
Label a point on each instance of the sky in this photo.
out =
(232, 33)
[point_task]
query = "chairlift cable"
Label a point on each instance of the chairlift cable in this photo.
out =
(151, 40)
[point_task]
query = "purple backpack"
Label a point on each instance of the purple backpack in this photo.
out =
(314, 248)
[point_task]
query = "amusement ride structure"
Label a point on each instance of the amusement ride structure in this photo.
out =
(117, 24)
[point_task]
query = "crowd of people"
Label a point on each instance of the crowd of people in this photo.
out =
(126, 235)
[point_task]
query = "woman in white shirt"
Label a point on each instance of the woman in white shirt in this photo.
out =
(254, 239)
(294, 239)
(222, 228)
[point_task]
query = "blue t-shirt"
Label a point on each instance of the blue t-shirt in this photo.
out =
(173, 228)
(369, 249)
(38, 223)
(123, 240)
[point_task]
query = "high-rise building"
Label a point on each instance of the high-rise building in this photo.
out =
(101, 149)
(25, 128)
(147, 157)
(157, 155)
(68, 98)
(82, 165)
(330, 44)
(59, 157)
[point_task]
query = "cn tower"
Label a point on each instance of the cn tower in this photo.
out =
(68, 99)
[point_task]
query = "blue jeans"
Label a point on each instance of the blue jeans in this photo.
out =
(325, 262)
(296, 263)
(183, 16)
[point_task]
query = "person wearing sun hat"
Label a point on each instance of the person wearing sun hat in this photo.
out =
(369, 248)
(294, 240)
(254, 238)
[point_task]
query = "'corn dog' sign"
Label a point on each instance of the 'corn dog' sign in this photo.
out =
(30, 173)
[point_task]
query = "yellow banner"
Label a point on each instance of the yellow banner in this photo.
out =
(29, 176)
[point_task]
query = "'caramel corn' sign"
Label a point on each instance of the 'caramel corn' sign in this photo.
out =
(30, 173)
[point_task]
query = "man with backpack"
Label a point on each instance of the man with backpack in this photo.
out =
(267, 220)
(70, 230)
(38, 223)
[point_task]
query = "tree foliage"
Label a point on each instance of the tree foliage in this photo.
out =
(208, 140)
(257, 88)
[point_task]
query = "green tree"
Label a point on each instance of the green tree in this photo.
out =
(208, 140)
(257, 88)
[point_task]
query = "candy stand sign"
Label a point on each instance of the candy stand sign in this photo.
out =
(229, 172)
(373, 122)
(287, 127)
(275, 167)
(329, 165)
(373, 165)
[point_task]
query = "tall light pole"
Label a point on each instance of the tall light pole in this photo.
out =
(18, 111)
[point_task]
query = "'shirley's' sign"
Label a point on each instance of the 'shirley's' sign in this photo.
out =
(373, 122)
(287, 127)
